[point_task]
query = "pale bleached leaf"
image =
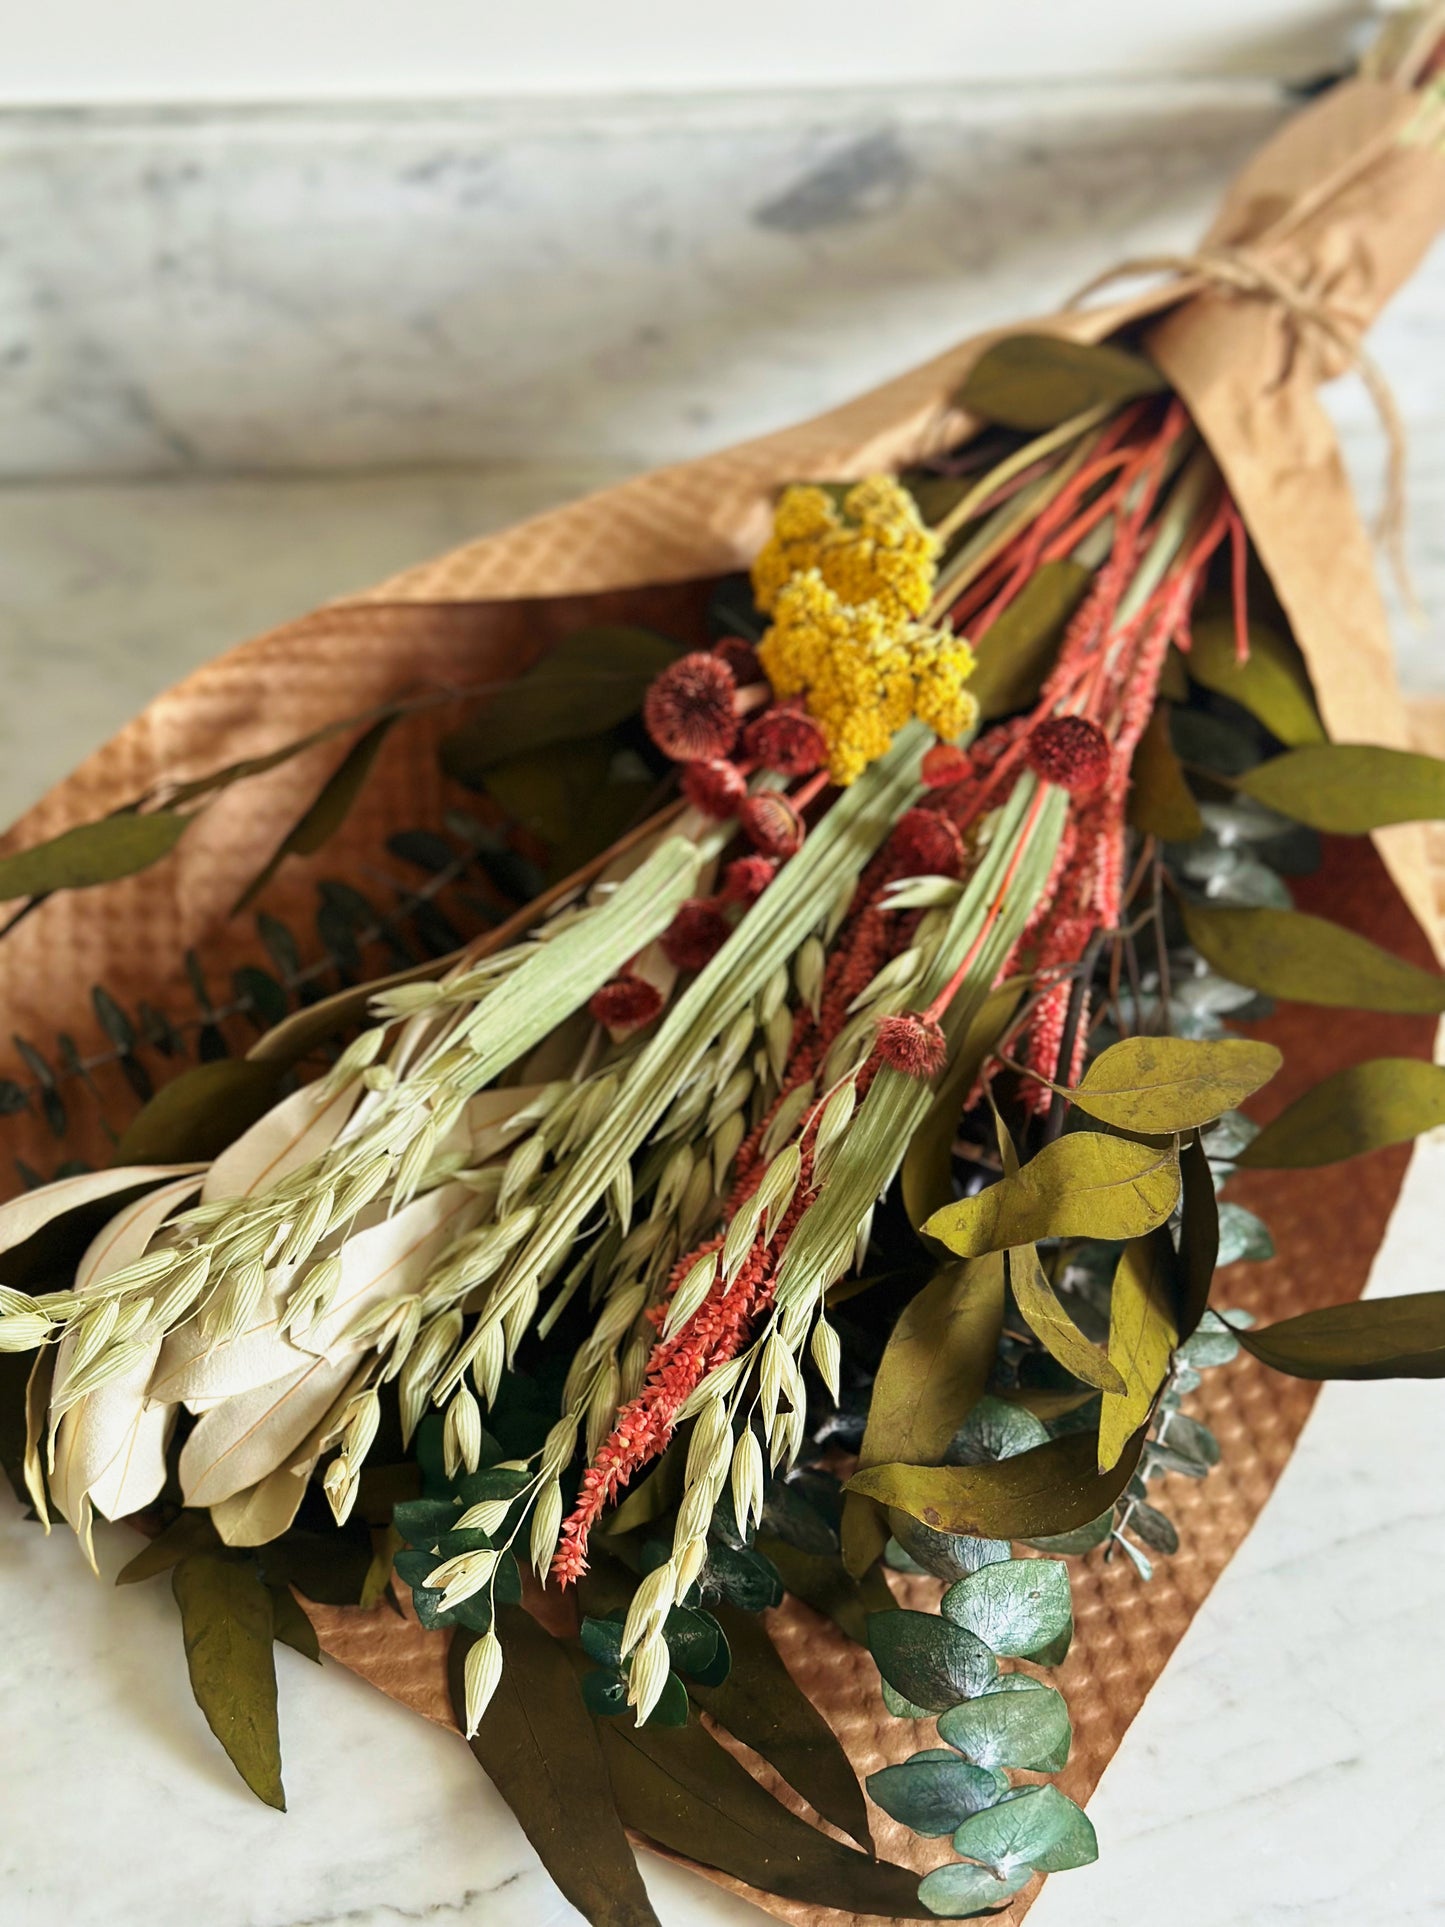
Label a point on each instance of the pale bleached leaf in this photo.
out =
(262, 1512)
(242, 1440)
(297, 1129)
(129, 1233)
(200, 1370)
(392, 1259)
(22, 1217)
(110, 1447)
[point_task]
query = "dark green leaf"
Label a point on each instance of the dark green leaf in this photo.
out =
(1160, 801)
(743, 1577)
(1054, 1488)
(604, 1692)
(1271, 683)
(1015, 653)
(1385, 1101)
(930, 1660)
(821, 1581)
(199, 1113)
(1082, 1539)
(1022, 1723)
(1158, 1085)
(1143, 1331)
(1017, 1607)
(113, 1020)
(1198, 1235)
(1372, 1338)
(602, 1640)
(226, 1617)
(1285, 953)
(539, 1747)
(259, 989)
(692, 1639)
(1037, 1828)
(1152, 1528)
(325, 816)
(934, 1791)
(944, 1555)
(1084, 1185)
(291, 1626)
(1036, 381)
(1350, 788)
(93, 853)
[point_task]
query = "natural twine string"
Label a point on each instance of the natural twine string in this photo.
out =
(1233, 271)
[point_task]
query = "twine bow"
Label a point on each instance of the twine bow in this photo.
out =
(1233, 271)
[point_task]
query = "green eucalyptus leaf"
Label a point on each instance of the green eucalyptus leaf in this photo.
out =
(227, 1618)
(1160, 801)
(1387, 1100)
(91, 854)
(602, 1640)
(1054, 1488)
(1084, 1185)
(1017, 1607)
(1350, 788)
(995, 1429)
(944, 1555)
(1309, 960)
(199, 1113)
(901, 1708)
(1036, 381)
(1082, 1539)
(743, 1577)
(1158, 1085)
(692, 1639)
(1038, 1828)
(1153, 1528)
(1014, 655)
(931, 1661)
(961, 1889)
(1143, 1331)
(604, 1692)
(1371, 1338)
(1271, 683)
(932, 1792)
(1044, 1313)
(1028, 1729)
(1243, 1236)
(671, 1708)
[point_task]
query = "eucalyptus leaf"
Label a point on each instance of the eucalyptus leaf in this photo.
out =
(932, 1792)
(1271, 683)
(930, 1660)
(1051, 1324)
(1084, 1185)
(1017, 1607)
(1372, 1338)
(228, 1622)
(961, 1889)
(1159, 1085)
(1036, 381)
(1350, 788)
(1387, 1100)
(1014, 655)
(944, 1555)
(1153, 1528)
(1160, 801)
(1027, 1729)
(1309, 960)
(995, 1429)
(1082, 1539)
(92, 853)
(1143, 1331)
(1244, 1236)
(1038, 1829)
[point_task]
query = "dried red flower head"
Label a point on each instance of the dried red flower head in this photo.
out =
(1070, 751)
(688, 708)
(696, 934)
(625, 1003)
(912, 1044)
(746, 878)
(716, 787)
(741, 658)
(927, 843)
(944, 765)
(787, 740)
(772, 825)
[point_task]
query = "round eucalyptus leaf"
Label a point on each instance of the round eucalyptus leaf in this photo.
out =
(604, 1691)
(1035, 1829)
(928, 1659)
(960, 1890)
(1083, 1540)
(994, 1429)
(946, 1555)
(932, 1795)
(1016, 1607)
(602, 1640)
(1242, 1235)
(692, 1639)
(903, 1709)
(1013, 1726)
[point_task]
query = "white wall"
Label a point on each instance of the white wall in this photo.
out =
(137, 51)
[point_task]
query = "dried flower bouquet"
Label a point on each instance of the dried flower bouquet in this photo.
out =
(785, 1162)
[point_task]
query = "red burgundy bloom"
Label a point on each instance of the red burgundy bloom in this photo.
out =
(746, 878)
(696, 934)
(772, 825)
(1070, 751)
(716, 787)
(688, 708)
(912, 1044)
(625, 1003)
(926, 843)
(787, 740)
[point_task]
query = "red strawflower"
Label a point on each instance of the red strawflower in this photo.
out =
(1070, 751)
(696, 934)
(926, 843)
(772, 825)
(912, 1044)
(716, 787)
(944, 765)
(741, 658)
(626, 1003)
(746, 878)
(787, 740)
(688, 708)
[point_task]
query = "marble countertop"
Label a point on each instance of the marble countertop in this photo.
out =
(197, 447)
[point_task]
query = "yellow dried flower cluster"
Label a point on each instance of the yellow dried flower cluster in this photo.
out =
(845, 591)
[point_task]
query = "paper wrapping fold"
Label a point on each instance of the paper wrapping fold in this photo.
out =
(1335, 202)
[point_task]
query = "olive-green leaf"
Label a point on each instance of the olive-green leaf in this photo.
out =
(591, 681)
(1018, 1607)
(1350, 788)
(933, 1371)
(1198, 1235)
(539, 1747)
(92, 853)
(1160, 800)
(200, 1112)
(291, 1625)
(926, 1176)
(760, 1704)
(822, 1582)
(1022, 1724)
(679, 1787)
(1143, 1331)
(1270, 683)
(1387, 1100)
(1371, 1338)
(1014, 655)
(1084, 1185)
(1036, 381)
(1054, 1488)
(1045, 1315)
(1162, 1084)
(226, 1619)
(188, 1532)
(326, 814)
(1310, 960)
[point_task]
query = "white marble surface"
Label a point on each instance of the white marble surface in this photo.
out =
(546, 307)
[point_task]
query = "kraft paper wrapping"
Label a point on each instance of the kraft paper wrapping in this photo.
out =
(1337, 203)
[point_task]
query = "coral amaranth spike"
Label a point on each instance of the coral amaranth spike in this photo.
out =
(688, 708)
(911, 1044)
(1070, 751)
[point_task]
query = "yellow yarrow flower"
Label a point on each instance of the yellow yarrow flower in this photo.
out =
(845, 585)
